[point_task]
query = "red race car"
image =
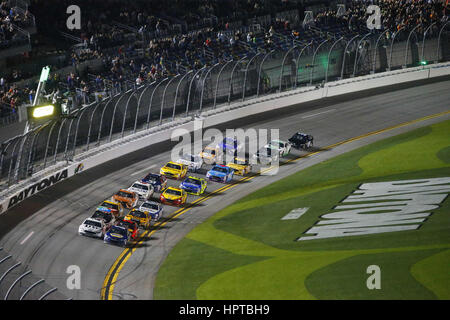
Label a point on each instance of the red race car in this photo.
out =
(132, 227)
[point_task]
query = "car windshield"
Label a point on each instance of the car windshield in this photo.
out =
(173, 166)
(110, 205)
(174, 192)
(102, 215)
(193, 181)
(140, 186)
(119, 230)
(148, 205)
(220, 169)
(137, 214)
(124, 194)
(93, 223)
(210, 151)
(152, 178)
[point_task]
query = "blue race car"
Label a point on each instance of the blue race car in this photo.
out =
(229, 145)
(220, 173)
(155, 209)
(194, 185)
(117, 235)
(158, 181)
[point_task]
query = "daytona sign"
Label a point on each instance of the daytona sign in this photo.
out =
(44, 183)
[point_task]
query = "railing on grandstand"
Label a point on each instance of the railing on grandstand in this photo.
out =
(285, 63)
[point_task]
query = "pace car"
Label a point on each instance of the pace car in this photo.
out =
(92, 228)
(174, 196)
(158, 181)
(302, 140)
(266, 155)
(220, 173)
(229, 145)
(194, 163)
(132, 227)
(210, 155)
(155, 209)
(194, 185)
(142, 218)
(116, 208)
(174, 170)
(117, 235)
(127, 198)
(282, 147)
(240, 166)
(142, 189)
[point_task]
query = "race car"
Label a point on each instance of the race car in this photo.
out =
(142, 189)
(193, 185)
(106, 216)
(117, 235)
(220, 173)
(116, 208)
(174, 196)
(142, 218)
(210, 155)
(174, 170)
(240, 166)
(194, 163)
(229, 145)
(153, 208)
(302, 140)
(127, 198)
(158, 181)
(92, 228)
(130, 225)
(266, 155)
(282, 147)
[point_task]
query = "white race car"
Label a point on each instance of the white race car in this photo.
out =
(92, 228)
(194, 163)
(155, 209)
(142, 189)
(266, 155)
(282, 147)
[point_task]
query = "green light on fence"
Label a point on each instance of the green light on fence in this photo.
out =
(423, 62)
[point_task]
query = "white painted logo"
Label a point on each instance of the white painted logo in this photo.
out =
(74, 20)
(374, 280)
(295, 214)
(74, 280)
(374, 20)
(394, 206)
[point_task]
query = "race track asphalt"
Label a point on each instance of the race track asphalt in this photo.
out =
(42, 234)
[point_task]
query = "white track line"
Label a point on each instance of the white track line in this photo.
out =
(316, 114)
(138, 172)
(27, 237)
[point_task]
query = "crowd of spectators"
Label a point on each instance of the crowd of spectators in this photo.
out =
(9, 18)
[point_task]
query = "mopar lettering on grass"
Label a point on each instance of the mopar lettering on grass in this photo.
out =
(44, 183)
(383, 207)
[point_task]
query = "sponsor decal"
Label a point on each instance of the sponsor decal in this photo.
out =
(44, 183)
(295, 214)
(382, 207)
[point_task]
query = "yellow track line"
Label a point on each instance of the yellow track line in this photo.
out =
(115, 269)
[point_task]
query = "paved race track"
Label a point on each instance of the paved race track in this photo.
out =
(47, 241)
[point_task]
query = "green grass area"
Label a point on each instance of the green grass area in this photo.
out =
(246, 251)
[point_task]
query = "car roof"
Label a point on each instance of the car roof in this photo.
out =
(174, 188)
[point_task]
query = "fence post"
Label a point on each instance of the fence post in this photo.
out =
(245, 76)
(439, 40)
(176, 92)
(298, 60)
(357, 50)
(101, 119)
(139, 105)
(57, 140)
(126, 109)
(260, 70)
(12, 154)
(407, 43)
(392, 46)
(114, 114)
(313, 60)
(345, 53)
(329, 54)
(423, 40)
(231, 79)
(76, 130)
(217, 82)
(190, 88)
(151, 101)
(91, 120)
(164, 96)
(375, 51)
(48, 142)
(282, 64)
(203, 85)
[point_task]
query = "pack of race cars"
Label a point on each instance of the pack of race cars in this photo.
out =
(110, 221)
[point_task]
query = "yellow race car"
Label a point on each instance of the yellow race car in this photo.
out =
(210, 155)
(174, 170)
(174, 196)
(241, 166)
(142, 218)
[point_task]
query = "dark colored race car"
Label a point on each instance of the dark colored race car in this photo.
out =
(302, 140)
(117, 235)
(131, 226)
(158, 181)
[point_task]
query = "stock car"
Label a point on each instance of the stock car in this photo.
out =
(240, 166)
(106, 216)
(153, 208)
(92, 228)
(142, 218)
(194, 185)
(174, 170)
(131, 226)
(282, 147)
(229, 145)
(117, 235)
(174, 196)
(220, 173)
(142, 189)
(210, 154)
(158, 181)
(127, 198)
(116, 208)
(194, 163)
(302, 140)
(266, 155)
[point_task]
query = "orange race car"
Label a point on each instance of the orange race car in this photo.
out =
(127, 198)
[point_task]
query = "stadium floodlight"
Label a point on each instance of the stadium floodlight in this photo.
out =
(44, 112)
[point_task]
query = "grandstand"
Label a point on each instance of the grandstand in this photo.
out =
(232, 49)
